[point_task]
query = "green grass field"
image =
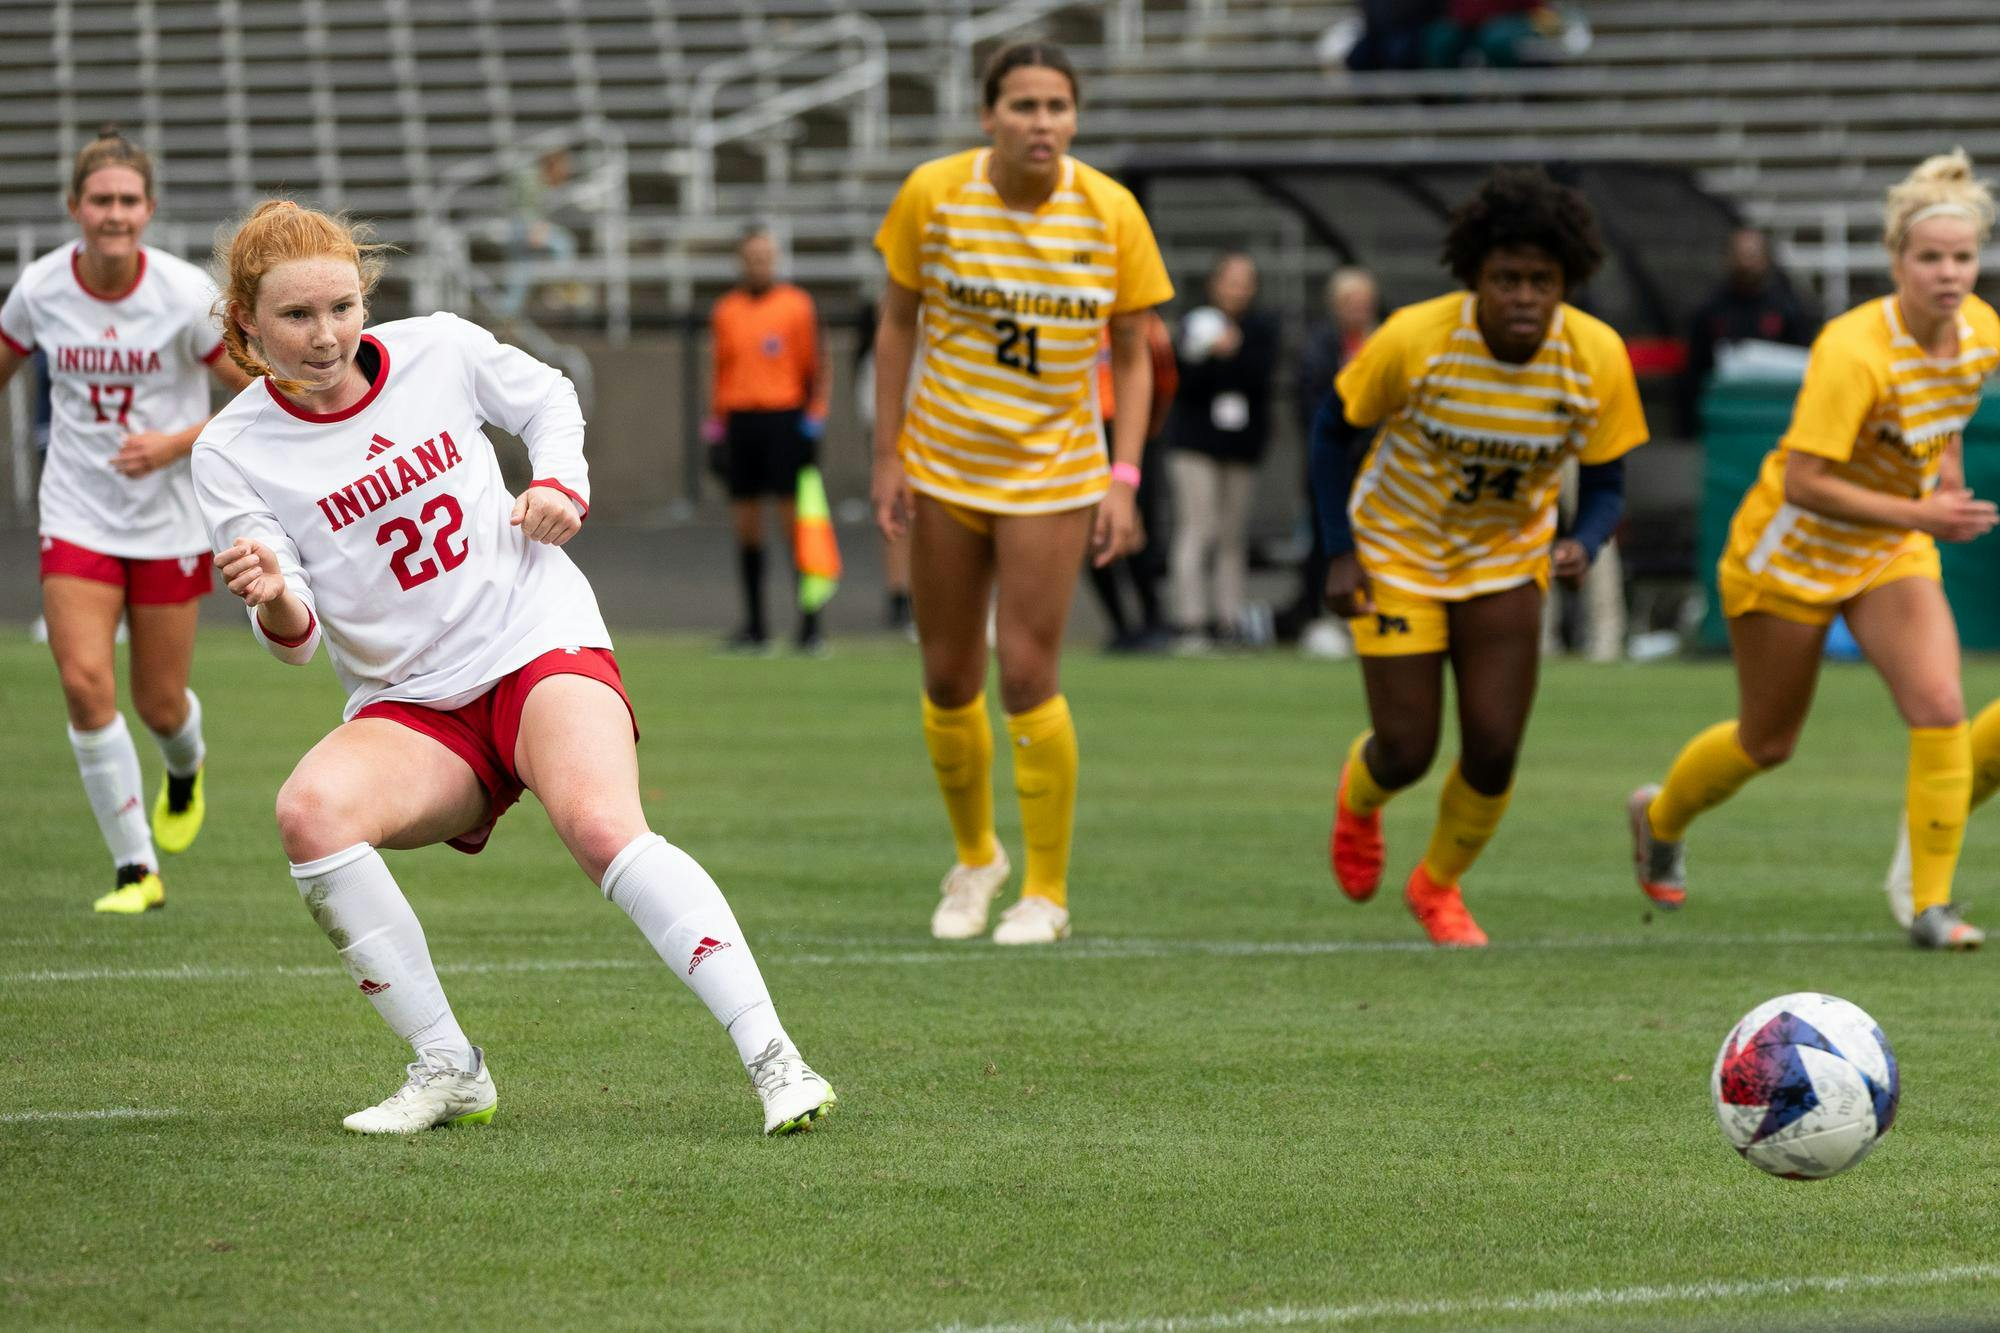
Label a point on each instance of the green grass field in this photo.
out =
(1234, 1100)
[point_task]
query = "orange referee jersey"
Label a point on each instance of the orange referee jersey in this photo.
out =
(767, 353)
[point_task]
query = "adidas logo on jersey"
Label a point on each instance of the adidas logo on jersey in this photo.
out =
(376, 445)
(111, 332)
(704, 951)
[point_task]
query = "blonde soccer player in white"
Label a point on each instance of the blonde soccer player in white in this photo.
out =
(354, 500)
(132, 344)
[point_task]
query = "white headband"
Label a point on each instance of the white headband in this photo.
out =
(1945, 210)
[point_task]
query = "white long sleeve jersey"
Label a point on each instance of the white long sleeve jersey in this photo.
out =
(118, 365)
(390, 519)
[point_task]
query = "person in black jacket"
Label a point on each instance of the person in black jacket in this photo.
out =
(1220, 426)
(1755, 301)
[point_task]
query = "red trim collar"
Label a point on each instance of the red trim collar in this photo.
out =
(76, 271)
(326, 418)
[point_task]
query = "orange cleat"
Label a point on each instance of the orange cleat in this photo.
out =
(1441, 912)
(1355, 847)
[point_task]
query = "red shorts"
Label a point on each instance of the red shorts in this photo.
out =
(483, 732)
(146, 582)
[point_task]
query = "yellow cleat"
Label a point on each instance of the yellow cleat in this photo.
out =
(139, 890)
(174, 830)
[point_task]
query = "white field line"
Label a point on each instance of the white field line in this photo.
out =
(112, 1113)
(867, 953)
(1539, 1302)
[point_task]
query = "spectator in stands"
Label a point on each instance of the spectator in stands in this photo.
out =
(1220, 426)
(1755, 302)
(535, 235)
(1501, 33)
(1147, 566)
(1354, 309)
(1392, 35)
(768, 408)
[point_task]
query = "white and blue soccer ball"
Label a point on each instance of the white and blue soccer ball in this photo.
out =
(1805, 1086)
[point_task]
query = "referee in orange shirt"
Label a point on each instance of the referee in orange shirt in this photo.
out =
(767, 409)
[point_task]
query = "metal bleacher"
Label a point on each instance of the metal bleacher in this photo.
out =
(416, 115)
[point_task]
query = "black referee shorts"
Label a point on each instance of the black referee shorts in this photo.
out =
(766, 451)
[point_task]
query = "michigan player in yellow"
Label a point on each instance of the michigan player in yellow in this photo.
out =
(1444, 538)
(1005, 266)
(1844, 519)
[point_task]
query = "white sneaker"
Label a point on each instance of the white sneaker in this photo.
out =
(1897, 883)
(794, 1096)
(1033, 920)
(432, 1097)
(968, 893)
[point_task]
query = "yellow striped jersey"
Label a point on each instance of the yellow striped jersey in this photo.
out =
(1457, 497)
(1003, 417)
(1884, 413)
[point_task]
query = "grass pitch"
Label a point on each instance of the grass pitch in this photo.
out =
(1234, 1100)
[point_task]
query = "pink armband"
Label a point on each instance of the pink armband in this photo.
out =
(1127, 473)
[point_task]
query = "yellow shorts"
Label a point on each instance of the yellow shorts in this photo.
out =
(1744, 593)
(977, 521)
(1405, 624)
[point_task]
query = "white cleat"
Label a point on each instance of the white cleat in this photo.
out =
(794, 1097)
(1033, 920)
(430, 1098)
(1897, 883)
(968, 894)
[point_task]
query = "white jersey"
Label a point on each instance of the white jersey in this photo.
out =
(390, 519)
(118, 365)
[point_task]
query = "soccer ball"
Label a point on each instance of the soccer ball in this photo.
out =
(1805, 1085)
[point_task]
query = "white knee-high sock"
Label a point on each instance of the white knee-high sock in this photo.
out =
(183, 750)
(356, 902)
(684, 916)
(110, 767)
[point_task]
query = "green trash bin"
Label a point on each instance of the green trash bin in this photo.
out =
(1744, 420)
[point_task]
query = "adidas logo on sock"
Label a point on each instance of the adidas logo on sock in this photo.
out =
(373, 988)
(704, 951)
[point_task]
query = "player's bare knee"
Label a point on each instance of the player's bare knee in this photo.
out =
(1490, 773)
(1935, 709)
(1397, 761)
(91, 695)
(163, 712)
(949, 688)
(314, 820)
(1768, 751)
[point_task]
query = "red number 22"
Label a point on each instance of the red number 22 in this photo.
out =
(412, 537)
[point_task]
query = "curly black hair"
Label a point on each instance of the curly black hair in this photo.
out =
(1523, 206)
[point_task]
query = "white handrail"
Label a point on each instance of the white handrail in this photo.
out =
(1124, 33)
(866, 79)
(445, 273)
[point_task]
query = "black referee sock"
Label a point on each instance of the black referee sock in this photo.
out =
(750, 564)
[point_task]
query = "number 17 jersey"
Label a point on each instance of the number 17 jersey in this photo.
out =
(391, 520)
(1457, 497)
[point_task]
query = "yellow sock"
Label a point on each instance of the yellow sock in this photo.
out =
(1466, 820)
(1705, 774)
(1364, 795)
(961, 744)
(1940, 782)
(1985, 754)
(1045, 778)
